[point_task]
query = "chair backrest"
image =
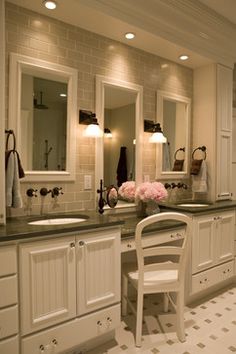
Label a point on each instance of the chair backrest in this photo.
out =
(180, 251)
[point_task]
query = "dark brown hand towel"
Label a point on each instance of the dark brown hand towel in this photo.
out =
(178, 165)
(195, 167)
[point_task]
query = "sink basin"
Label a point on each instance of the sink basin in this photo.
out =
(193, 205)
(57, 221)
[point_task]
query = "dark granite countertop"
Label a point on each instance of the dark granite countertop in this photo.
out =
(211, 207)
(18, 228)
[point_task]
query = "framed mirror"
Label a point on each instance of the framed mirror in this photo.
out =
(42, 113)
(120, 112)
(173, 113)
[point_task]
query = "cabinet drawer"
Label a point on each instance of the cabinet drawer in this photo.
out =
(8, 322)
(10, 346)
(71, 334)
(153, 238)
(7, 260)
(212, 276)
(8, 291)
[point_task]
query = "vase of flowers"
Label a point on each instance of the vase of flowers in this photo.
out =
(148, 194)
(127, 191)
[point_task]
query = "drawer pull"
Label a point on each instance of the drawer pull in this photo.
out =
(41, 347)
(54, 341)
(172, 236)
(72, 245)
(129, 245)
(109, 319)
(99, 323)
(81, 243)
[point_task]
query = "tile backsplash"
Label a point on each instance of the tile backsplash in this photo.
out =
(38, 36)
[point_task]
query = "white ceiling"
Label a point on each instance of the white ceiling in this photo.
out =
(77, 13)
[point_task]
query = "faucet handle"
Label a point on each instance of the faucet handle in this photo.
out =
(31, 192)
(56, 191)
(44, 191)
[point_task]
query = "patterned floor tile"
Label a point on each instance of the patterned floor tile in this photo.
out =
(210, 328)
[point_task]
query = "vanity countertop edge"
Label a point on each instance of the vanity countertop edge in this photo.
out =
(17, 228)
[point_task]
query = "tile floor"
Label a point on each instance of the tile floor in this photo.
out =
(210, 328)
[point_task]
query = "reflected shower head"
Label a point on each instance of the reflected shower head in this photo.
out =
(40, 105)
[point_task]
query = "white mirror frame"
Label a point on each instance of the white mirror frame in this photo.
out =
(161, 95)
(23, 64)
(101, 83)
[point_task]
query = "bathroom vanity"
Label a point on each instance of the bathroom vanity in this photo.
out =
(60, 285)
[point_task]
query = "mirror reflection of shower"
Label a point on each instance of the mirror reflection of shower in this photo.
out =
(46, 154)
(43, 124)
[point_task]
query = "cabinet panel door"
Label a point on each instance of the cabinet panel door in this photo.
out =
(224, 97)
(224, 166)
(98, 270)
(203, 244)
(47, 283)
(225, 237)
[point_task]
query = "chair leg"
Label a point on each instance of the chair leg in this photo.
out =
(180, 316)
(139, 319)
(165, 302)
(124, 295)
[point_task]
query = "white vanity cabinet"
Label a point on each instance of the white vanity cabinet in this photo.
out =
(212, 125)
(212, 249)
(47, 283)
(70, 290)
(98, 269)
(9, 328)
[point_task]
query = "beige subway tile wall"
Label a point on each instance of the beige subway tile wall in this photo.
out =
(32, 34)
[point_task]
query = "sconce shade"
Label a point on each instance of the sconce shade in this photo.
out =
(89, 118)
(107, 133)
(155, 128)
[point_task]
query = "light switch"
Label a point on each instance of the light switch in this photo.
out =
(87, 182)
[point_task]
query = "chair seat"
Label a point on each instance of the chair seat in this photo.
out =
(154, 278)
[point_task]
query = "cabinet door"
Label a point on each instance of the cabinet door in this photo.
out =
(98, 270)
(47, 283)
(225, 237)
(203, 243)
(224, 132)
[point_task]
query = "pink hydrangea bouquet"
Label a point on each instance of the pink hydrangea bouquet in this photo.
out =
(127, 191)
(151, 191)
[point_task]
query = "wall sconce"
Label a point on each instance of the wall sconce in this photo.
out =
(107, 133)
(155, 129)
(89, 118)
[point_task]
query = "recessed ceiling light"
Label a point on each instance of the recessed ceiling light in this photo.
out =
(183, 57)
(63, 94)
(129, 35)
(50, 5)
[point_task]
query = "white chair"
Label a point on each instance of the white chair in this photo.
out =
(158, 276)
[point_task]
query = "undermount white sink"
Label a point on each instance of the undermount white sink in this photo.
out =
(56, 221)
(193, 205)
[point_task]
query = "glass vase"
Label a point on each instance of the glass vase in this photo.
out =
(152, 208)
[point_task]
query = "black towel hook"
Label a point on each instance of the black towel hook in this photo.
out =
(202, 148)
(10, 132)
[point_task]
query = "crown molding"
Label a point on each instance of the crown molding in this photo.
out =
(188, 23)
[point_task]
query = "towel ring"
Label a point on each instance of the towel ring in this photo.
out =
(203, 148)
(180, 149)
(9, 133)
